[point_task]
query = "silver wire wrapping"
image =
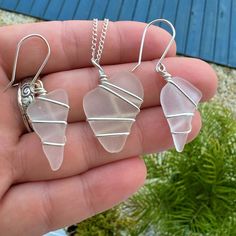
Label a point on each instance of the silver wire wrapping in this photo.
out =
(167, 76)
(53, 122)
(37, 109)
(121, 93)
(26, 96)
(162, 70)
(31, 89)
(108, 87)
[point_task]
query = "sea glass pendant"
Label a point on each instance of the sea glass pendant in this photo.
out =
(179, 100)
(48, 117)
(111, 109)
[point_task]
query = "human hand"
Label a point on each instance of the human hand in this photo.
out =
(34, 199)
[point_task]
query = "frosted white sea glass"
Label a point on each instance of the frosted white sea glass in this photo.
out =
(48, 132)
(174, 102)
(101, 103)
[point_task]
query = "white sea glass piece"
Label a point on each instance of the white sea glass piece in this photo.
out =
(48, 115)
(110, 116)
(179, 109)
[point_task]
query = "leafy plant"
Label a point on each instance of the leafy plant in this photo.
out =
(194, 192)
(109, 223)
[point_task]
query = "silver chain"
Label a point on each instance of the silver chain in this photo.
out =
(98, 49)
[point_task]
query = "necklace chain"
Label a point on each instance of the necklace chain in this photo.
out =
(98, 49)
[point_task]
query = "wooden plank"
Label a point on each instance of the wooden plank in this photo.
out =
(39, 8)
(205, 28)
(195, 28)
(169, 13)
(68, 10)
(208, 36)
(182, 23)
(232, 42)
(99, 9)
(141, 11)
(155, 10)
(222, 32)
(53, 9)
(11, 5)
(24, 5)
(83, 10)
(114, 9)
(128, 9)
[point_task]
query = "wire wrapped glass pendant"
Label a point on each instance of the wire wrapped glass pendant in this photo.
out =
(179, 100)
(48, 117)
(46, 114)
(111, 109)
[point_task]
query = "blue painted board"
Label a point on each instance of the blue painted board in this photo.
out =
(209, 30)
(11, 5)
(25, 5)
(155, 10)
(194, 38)
(66, 12)
(39, 8)
(205, 28)
(53, 9)
(99, 9)
(181, 24)
(222, 31)
(232, 43)
(141, 10)
(83, 10)
(128, 9)
(114, 10)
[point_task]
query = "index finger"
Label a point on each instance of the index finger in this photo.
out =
(70, 43)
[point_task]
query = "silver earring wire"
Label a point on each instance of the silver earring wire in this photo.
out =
(159, 63)
(17, 56)
(161, 68)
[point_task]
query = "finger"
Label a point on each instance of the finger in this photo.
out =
(11, 124)
(78, 82)
(70, 43)
(45, 206)
(149, 134)
(10, 119)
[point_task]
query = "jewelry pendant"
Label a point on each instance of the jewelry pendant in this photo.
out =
(48, 117)
(46, 114)
(179, 100)
(111, 109)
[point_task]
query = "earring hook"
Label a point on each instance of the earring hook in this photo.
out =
(17, 56)
(167, 47)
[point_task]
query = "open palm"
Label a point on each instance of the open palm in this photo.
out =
(34, 199)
